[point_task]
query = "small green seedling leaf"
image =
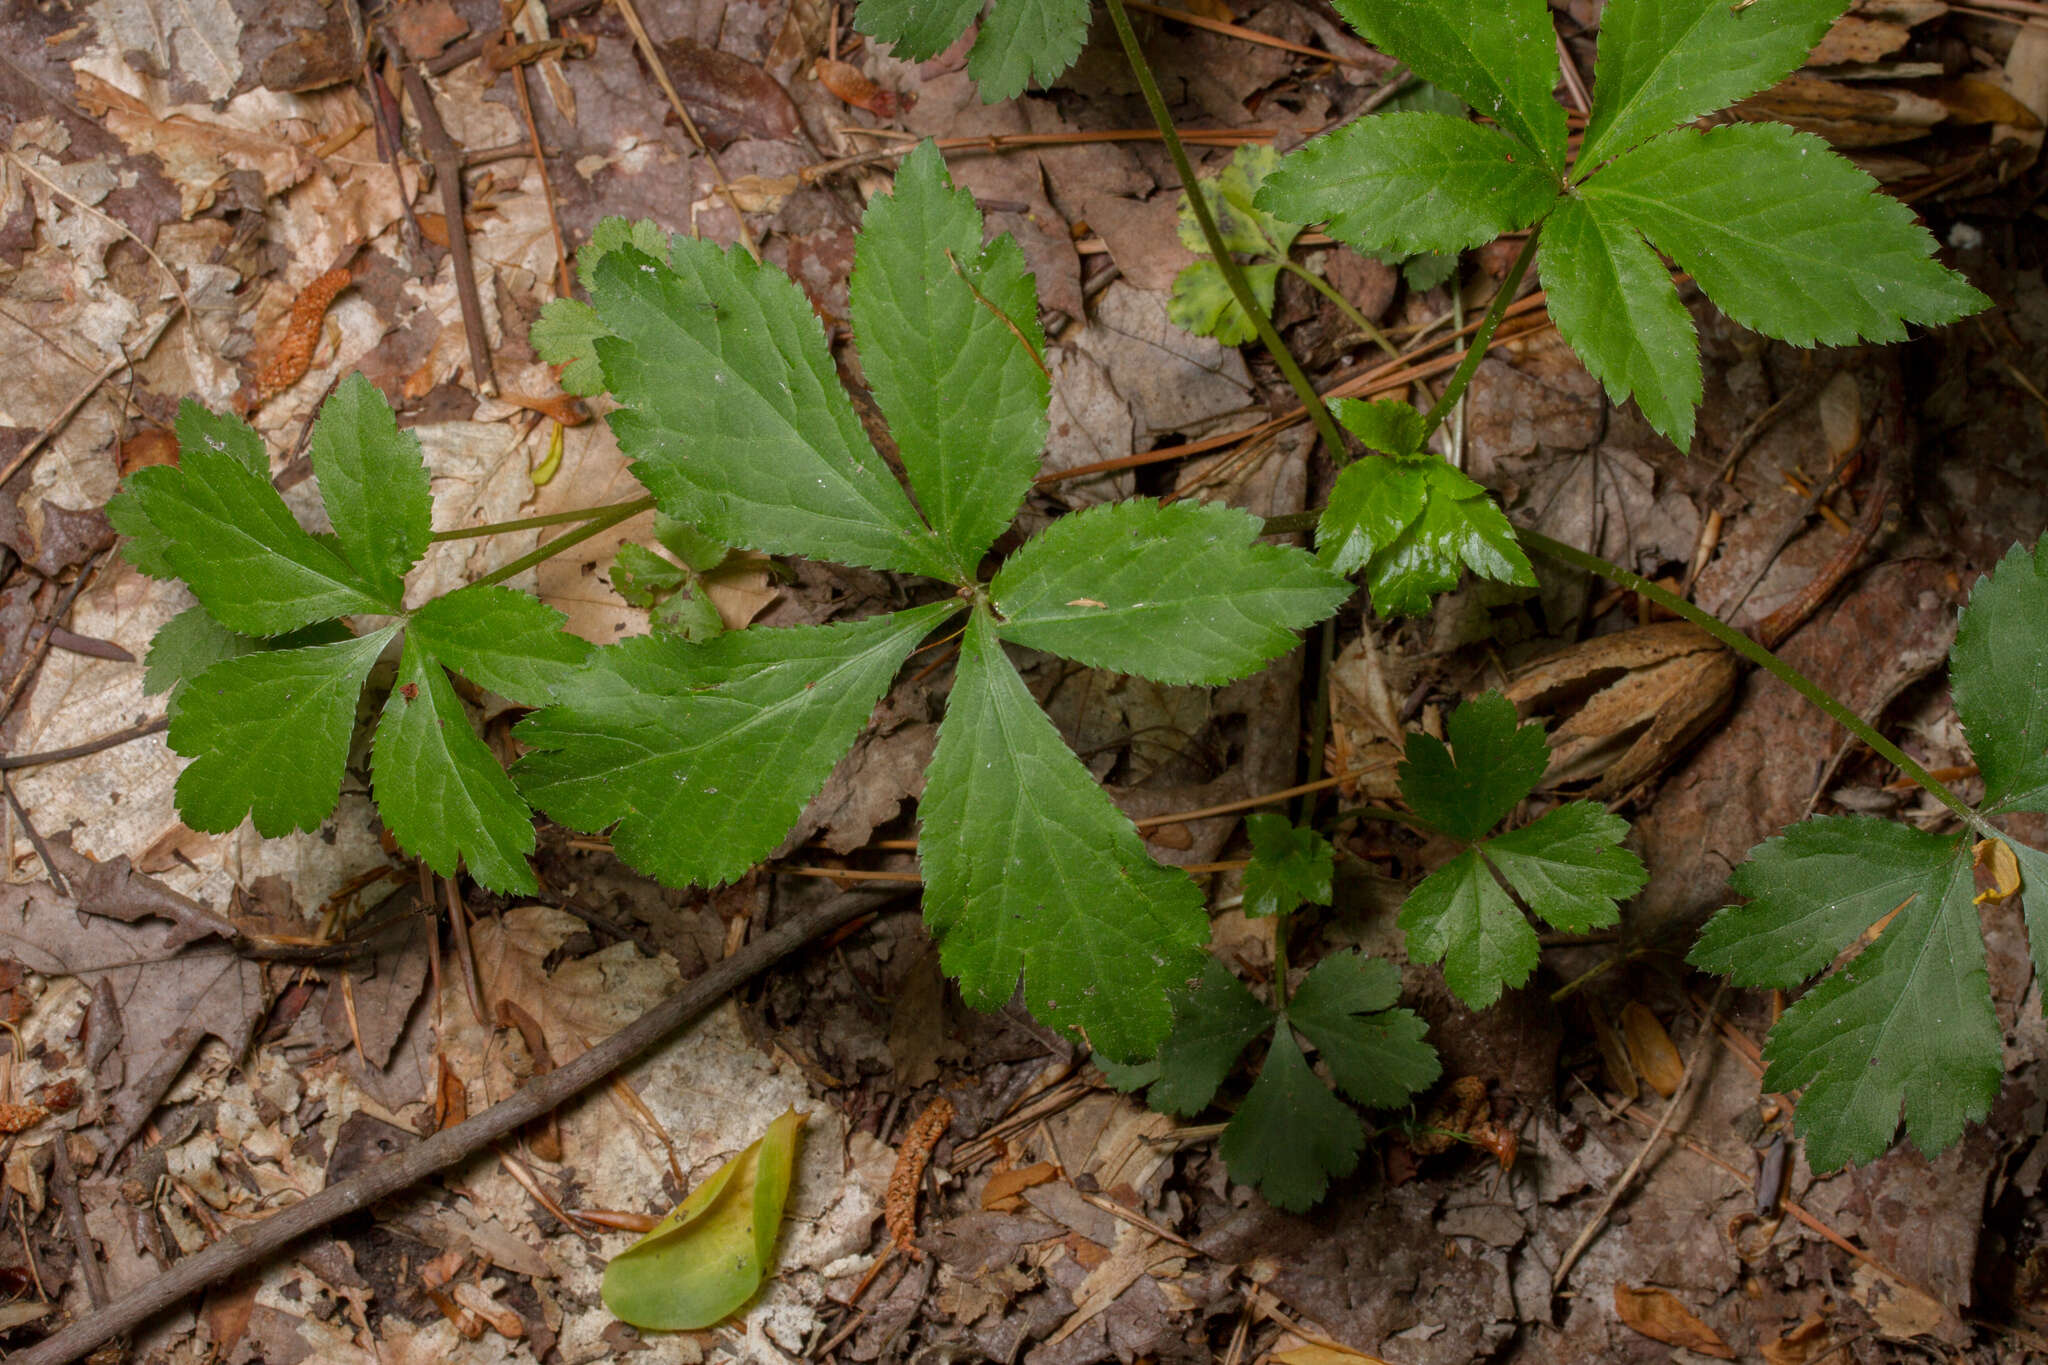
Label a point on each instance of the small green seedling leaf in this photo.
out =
(1202, 303)
(1415, 525)
(1180, 593)
(1999, 671)
(1290, 864)
(1215, 1023)
(1013, 828)
(703, 755)
(1291, 1136)
(699, 552)
(1386, 425)
(708, 1257)
(1569, 866)
(643, 577)
(565, 334)
(1377, 1054)
(1459, 916)
(1492, 762)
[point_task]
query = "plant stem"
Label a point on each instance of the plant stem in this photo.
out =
(1233, 273)
(1351, 314)
(1476, 352)
(535, 523)
(603, 521)
(1761, 657)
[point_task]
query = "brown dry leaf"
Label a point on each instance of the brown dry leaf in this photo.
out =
(729, 97)
(1658, 1314)
(425, 27)
(1005, 1189)
(1855, 39)
(849, 83)
(1973, 99)
(1801, 1344)
(1651, 1048)
(1365, 727)
(1847, 116)
(1614, 1059)
(1900, 1311)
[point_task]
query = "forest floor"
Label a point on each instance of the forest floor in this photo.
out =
(175, 178)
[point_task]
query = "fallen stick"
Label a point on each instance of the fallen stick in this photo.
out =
(244, 1246)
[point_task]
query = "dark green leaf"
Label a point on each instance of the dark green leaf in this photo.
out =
(1416, 524)
(191, 642)
(1998, 670)
(1216, 1022)
(1492, 763)
(566, 334)
(1389, 426)
(1459, 916)
(1377, 1054)
(1023, 41)
(1291, 1135)
(507, 641)
(1570, 866)
(917, 30)
(643, 577)
(373, 483)
(1289, 865)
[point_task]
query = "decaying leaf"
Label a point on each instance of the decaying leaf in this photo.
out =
(1658, 1314)
(1651, 1049)
(709, 1256)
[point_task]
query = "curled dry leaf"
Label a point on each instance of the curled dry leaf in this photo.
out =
(850, 84)
(1650, 1047)
(1658, 1314)
(1004, 1192)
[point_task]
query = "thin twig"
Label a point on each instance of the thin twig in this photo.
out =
(35, 839)
(447, 162)
(74, 1219)
(9, 762)
(250, 1243)
(471, 48)
(29, 666)
(84, 395)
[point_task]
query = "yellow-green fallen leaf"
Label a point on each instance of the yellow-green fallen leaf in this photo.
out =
(709, 1256)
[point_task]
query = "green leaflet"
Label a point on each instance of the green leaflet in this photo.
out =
(1291, 1135)
(1030, 872)
(1491, 764)
(1377, 1054)
(1289, 865)
(1022, 41)
(1615, 305)
(191, 642)
(1386, 425)
(1216, 1022)
(373, 483)
(504, 640)
(268, 735)
(1569, 866)
(919, 30)
(1202, 303)
(1459, 916)
(1499, 56)
(703, 755)
(734, 416)
(1999, 673)
(949, 338)
(566, 334)
(439, 788)
(1415, 525)
(1666, 62)
(1181, 593)
(1784, 236)
(1409, 183)
(1245, 226)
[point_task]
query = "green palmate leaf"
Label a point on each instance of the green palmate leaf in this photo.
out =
(1215, 1023)
(268, 735)
(1811, 891)
(1289, 865)
(949, 338)
(1378, 1055)
(1500, 56)
(1569, 866)
(1666, 62)
(1023, 41)
(1409, 183)
(1389, 426)
(507, 641)
(918, 30)
(1416, 525)
(703, 755)
(709, 1256)
(373, 483)
(642, 577)
(643, 235)
(1203, 304)
(1181, 593)
(1907, 1021)
(1784, 236)
(1291, 1135)
(566, 334)
(1244, 226)
(1459, 916)
(191, 642)
(218, 524)
(1999, 673)
(441, 791)
(1491, 764)
(734, 416)
(687, 543)
(1615, 305)
(1030, 872)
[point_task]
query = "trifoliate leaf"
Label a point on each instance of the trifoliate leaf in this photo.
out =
(1569, 866)
(441, 791)
(191, 642)
(707, 1258)
(1215, 1022)
(950, 342)
(1022, 41)
(703, 755)
(1998, 671)
(1291, 1135)
(1203, 304)
(1416, 525)
(1244, 226)
(1666, 62)
(1784, 236)
(268, 735)
(373, 483)
(643, 235)
(1615, 305)
(734, 415)
(1500, 56)
(219, 524)
(1408, 183)
(1387, 425)
(643, 577)
(566, 334)
(1812, 890)
(1908, 1021)
(1290, 864)
(1377, 1054)
(507, 641)
(1030, 871)
(916, 30)
(1459, 916)
(1491, 764)
(1180, 593)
